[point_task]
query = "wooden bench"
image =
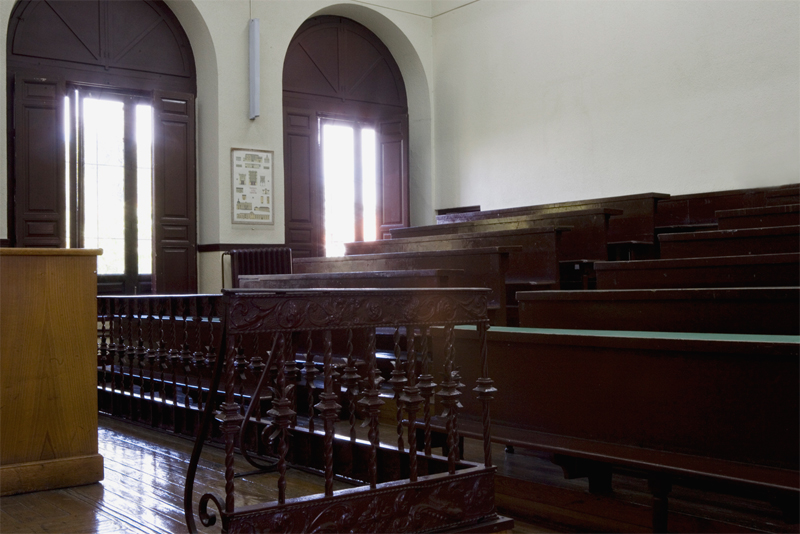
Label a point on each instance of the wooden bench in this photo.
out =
(357, 279)
(700, 209)
(722, 310)
(784, 215)
(482, 267)
(775, 240)
(535, 262)
(671, 406)
(587, 238)
(763, 270)
(630, 234)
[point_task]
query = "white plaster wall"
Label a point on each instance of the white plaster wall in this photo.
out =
(542, 100)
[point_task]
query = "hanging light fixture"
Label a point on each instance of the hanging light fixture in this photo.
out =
(255, 70)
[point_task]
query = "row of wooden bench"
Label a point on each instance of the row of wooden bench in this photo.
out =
(682, 367)
(679, 363)
(562, 247)
(674, 408)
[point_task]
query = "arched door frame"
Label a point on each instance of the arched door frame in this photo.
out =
(337, 67)
(130, 45)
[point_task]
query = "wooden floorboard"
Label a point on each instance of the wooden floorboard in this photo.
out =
(142, 493)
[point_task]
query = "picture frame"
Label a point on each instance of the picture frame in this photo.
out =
(251, 186)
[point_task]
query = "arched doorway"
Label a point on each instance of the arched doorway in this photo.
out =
(345, 132)
(101, 144)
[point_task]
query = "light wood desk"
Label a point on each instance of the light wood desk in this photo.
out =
(48, 369)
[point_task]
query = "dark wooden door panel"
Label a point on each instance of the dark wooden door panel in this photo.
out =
(39, 197)
(393, 206)
(175, 226)
(302, 181)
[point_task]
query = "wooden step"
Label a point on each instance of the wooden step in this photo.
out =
(762, 270)
(739, 242)
(723, 310)
(785, 215)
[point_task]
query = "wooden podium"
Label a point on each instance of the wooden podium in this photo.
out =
(48, 369)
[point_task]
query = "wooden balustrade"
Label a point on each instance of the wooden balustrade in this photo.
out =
(154, 355)
(268, 374)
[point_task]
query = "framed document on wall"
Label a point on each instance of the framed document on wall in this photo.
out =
(251, 177)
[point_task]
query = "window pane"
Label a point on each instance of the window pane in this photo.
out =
(368, 183)
(144, 186)
(338, 175)
(104, 181)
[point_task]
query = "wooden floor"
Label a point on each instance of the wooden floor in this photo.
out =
(142, 492)
(144, 475)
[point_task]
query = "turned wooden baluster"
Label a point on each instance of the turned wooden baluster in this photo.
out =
(102, 352)
(230, 421)
(175, 359)
(112, 345)
(163, 359)
(485, 391)
(398, 382)
(328, 408)
(292, 378)
(141, 352)
(122, 343)
(211, 354)
(449, 393)
(130, 352)
(256, 367)
(282, 415)
(372, 403)
(311, 373)
(350, 379)
(199, 356)
(186, 358)
(145, 351)
(241, 369)
(152, 353)
(117, 349)
(412, 400)
(426, 387)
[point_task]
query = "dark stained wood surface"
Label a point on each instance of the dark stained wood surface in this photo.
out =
(634, 225)
(784, 215)
(741, 242)
(701, 208)
(782, 195)
(483, 267)
(587, 238)
(39, 162)
(133, 44)
(174, 198)
(733, 310)
(763, 270)
(715, 406)
(382, 279)
(536, 260)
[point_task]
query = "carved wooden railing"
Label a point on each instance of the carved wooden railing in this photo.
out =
(155, 356)
(273, 371)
